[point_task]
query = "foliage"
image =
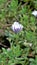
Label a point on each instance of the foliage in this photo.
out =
(23, 45)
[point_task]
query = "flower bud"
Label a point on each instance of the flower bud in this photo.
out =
(16, 27)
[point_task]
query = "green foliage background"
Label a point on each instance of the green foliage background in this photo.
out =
(20, 51)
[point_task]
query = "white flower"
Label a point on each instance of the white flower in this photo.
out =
(30, 44)
(16, 27)
(8, 49)
(34, 13)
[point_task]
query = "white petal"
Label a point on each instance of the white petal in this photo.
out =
(21, 25)
(16, 23)
(8, 49)
(34, 13)
(12, 27)
(30, 44)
